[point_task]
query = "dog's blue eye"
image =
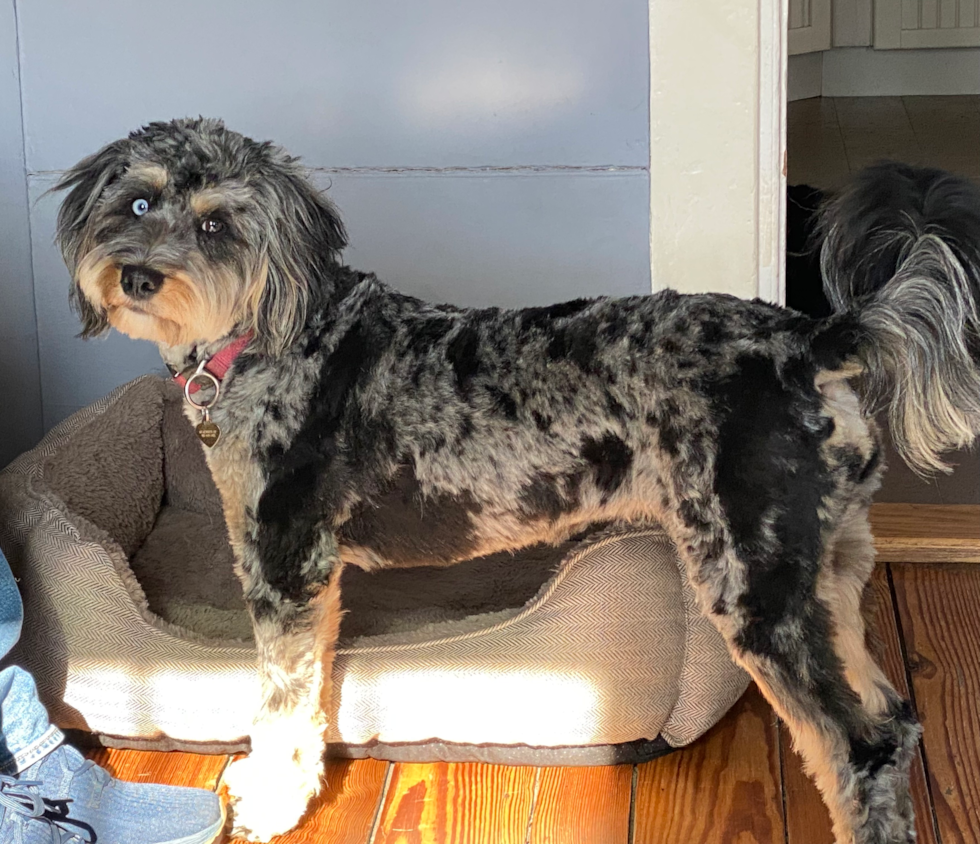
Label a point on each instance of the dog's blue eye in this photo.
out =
(140, 207)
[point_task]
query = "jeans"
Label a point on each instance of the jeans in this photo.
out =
(26, 734)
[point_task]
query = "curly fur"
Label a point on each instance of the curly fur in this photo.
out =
(367, 427)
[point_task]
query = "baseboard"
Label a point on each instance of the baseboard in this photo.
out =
(864, 72)
(804, 76)
(926, 533)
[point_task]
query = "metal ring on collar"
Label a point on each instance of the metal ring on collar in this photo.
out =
(207, 376)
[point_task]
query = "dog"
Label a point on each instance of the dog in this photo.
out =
(804, 281)
(350, 424)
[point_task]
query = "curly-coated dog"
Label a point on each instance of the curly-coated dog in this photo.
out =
(355, 424)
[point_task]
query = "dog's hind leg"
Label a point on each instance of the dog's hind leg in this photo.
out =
(842, 587)
(797, 639)
(272, 787)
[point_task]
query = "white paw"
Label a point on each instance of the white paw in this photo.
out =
(269, 792)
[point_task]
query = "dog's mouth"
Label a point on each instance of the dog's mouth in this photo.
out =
(129, 305)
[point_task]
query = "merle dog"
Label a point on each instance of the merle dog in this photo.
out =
(358, 425)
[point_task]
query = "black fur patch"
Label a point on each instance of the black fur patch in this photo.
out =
(871, 466)
(576, 342)
(464, 355)
(616, 409)
(309, 478)
(503, 402)
(872, 756)
(542, 497)
(545, 316)
(667, 419)
(611, 460)
(615, 326)
(408, 529)
(428, 332)
(769, 472)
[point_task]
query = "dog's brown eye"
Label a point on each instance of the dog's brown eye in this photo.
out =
(211, 226)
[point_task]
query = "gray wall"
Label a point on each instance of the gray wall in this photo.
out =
(479, 153)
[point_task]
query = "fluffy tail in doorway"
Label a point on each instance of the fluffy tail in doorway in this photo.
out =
(901, 255)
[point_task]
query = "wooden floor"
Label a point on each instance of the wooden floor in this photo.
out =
(739, 784)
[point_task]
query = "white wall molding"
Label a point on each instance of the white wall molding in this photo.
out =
(863, 72)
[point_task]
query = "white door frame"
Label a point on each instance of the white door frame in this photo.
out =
(773, 62)
(718, 146)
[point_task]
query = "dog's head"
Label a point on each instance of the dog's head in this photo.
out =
(186, 232)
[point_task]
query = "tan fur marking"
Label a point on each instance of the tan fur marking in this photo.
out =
(822, 758)
(840, 586)
(851, 426)
(851, 369)
(96, 276)
(327, 614)
(179, 297)
(253, 295)
(154, 175)
(179, 313)
(236, 476)
(209, 200)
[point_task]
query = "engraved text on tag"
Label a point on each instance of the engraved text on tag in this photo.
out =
(208, 432)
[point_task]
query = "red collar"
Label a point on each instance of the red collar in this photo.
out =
(219, 363)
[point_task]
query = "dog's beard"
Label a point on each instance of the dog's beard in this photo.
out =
(183, 311)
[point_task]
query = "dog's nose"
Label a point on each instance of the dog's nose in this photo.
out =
(140, 282)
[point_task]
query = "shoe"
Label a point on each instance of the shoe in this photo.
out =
(66, 799)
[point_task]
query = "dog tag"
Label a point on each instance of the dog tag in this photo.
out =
(207, 431)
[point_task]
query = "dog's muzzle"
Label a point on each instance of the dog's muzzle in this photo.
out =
(140, 282)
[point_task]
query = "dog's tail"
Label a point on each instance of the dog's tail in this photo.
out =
(901, 256)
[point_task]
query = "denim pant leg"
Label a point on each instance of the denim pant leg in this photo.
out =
(26, 734)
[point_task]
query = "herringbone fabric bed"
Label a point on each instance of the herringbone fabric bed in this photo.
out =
(611, 650)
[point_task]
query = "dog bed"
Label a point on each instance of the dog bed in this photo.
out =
(590, 653)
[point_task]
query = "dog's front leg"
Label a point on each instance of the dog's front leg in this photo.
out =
(271, 788)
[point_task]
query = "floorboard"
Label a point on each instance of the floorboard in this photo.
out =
(926, 533)
(940, 615)
(450, 803)
(582, 806)
(723, 788)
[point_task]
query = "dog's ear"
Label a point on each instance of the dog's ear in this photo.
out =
(85, 183)
(304, 238)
